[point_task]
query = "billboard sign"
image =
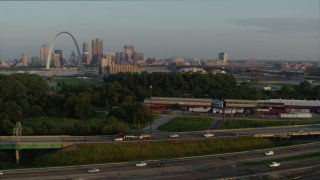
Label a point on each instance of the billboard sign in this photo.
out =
(217, 103)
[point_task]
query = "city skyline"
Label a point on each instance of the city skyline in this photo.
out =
(271, 30)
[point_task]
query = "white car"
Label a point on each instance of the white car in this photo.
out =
(1, 173)
(118, 139)
(140, 164)
(208, 135)
(274, 164)
(174, 135)
(93, 170)
(269, 153)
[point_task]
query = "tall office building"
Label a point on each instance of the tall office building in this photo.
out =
(85, 47)
(117, 58)
(128, 52)
(44, 51)
(224, 57)
(58, 51)
(56, 60)
(86, 58)
(97, 51)
(24, 59)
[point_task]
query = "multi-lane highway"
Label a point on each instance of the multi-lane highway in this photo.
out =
(165, 135)
(204, 167)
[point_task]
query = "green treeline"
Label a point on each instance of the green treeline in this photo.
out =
(196, 85)
(182, 85)
(24, 97)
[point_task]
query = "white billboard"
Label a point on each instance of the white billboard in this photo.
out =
(217, 103)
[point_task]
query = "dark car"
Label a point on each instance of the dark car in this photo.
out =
(157, 165)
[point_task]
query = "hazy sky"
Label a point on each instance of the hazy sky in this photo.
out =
(261, 29)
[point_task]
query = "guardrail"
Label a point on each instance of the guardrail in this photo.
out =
(287, 134)
(38, 145)
(279, 174)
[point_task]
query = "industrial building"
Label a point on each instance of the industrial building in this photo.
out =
(272, 107)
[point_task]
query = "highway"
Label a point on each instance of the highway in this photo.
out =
(207, 167)
(204, 167)
(165, 135)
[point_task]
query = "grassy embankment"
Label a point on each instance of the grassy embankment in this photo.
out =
(127, 152)
(184, 124)
(242, 123)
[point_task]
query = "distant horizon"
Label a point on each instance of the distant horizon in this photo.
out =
(275, 30)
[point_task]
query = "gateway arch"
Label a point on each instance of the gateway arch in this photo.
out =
(52, 44)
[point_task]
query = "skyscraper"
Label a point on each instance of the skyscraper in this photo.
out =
(86, 58)
(56, 60)
(224, 57)
(44, 50)
(97, 51)
(24, 59)
(128, 52)
(85, 47)
(58, 51)
(117, 58)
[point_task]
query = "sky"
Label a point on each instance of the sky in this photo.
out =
(245, 29)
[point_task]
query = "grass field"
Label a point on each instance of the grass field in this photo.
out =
(127, 152)
(184, 124)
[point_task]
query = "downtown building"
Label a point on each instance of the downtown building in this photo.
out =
(86, 58)
(117, 68)
(59, 51)
(128, 51)
(56, 60)
(223, 57)
(24, 59)
(44, 52)
(97, 51)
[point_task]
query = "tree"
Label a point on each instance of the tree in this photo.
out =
(6, 127)
(13, 112)
(113, 126)
(36, 111)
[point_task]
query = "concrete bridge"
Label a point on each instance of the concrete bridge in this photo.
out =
(31, 142)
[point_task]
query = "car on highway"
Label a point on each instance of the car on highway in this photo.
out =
(208, 135)
(118, 139)
(157, 165)
(1, 173)
(269, 153)
(93, 170)
(140, 164)
(274, 164)
(300, 131)
(174, 135)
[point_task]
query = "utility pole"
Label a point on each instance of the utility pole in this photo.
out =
(107, 109)
(17, 132)
(134, 119)
(150, 87)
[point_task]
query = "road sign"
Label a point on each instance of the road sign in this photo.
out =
(217, 103)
